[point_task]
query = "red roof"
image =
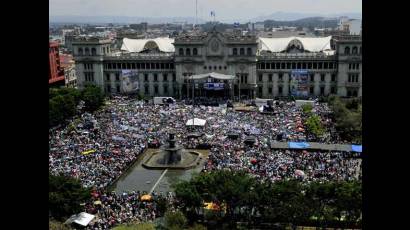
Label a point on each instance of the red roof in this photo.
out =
(53, 44)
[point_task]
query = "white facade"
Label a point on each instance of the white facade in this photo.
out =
(262, 66)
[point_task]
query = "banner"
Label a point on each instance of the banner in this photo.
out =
(129, 81)
(299, 85)
(214, 86)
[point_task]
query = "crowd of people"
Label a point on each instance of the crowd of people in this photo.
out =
(98, 148)
(112, 209)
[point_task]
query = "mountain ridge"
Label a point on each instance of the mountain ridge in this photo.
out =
(277, 16)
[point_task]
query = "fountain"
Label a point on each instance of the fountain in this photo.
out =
(173, 156)
(172, 152)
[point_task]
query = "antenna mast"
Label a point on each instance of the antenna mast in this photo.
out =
(196, 12)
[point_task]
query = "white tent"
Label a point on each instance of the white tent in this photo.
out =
(196, 122)
(137, 45)
(82, 219)
(212, 75)
(312, 44)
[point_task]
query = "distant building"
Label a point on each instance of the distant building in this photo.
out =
(353, 26)
(284, 34)
(56, 73)
(68, 41)
(142, 27)
(64, 33)
(68, 65)
(256, 26)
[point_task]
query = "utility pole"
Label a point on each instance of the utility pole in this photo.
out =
(196, 12)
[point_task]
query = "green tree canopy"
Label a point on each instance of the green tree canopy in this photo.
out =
(287, 201)
(60, 108)
(65, 195)
(348, 118)
(314, 125)
(175, 220)
(307, 108)
(93, 97)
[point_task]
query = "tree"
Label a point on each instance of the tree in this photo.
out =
(289, 203)
(321, 197)
(175, 220)
(93, 98)
(62, 104)
(60, 108)
(161, 205)
(55, 113)
(348, 197)
(140, 226)
(65, 196)
(314, 125)
(197, 227)
(283, 201)
(307, 108)
(224, 188)
(229, 188)
(189, 196)
(55, 225)
(348, 121)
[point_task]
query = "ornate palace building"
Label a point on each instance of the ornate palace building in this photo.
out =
(263, 66)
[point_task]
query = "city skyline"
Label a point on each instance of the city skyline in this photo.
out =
(225, 10)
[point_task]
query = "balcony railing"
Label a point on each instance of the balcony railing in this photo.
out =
(294, 55)
(353, 84)
(145, 56)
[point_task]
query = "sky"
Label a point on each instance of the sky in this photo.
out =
(224, 9)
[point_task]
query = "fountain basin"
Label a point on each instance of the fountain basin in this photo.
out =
(188, 159)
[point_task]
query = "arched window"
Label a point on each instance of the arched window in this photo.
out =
(80, 51)
(242, 51)
(87, 51)
(360, 50)
(347, 50)
(103, 50)
(249, 51)
(93, 51)
(194, 51)
(181, 51)
(188, 51)
(235, 51)
(354, 50)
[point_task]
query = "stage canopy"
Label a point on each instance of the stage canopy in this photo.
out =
(164, 44)
(311, 44)
(196, 122)
(212, 75)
